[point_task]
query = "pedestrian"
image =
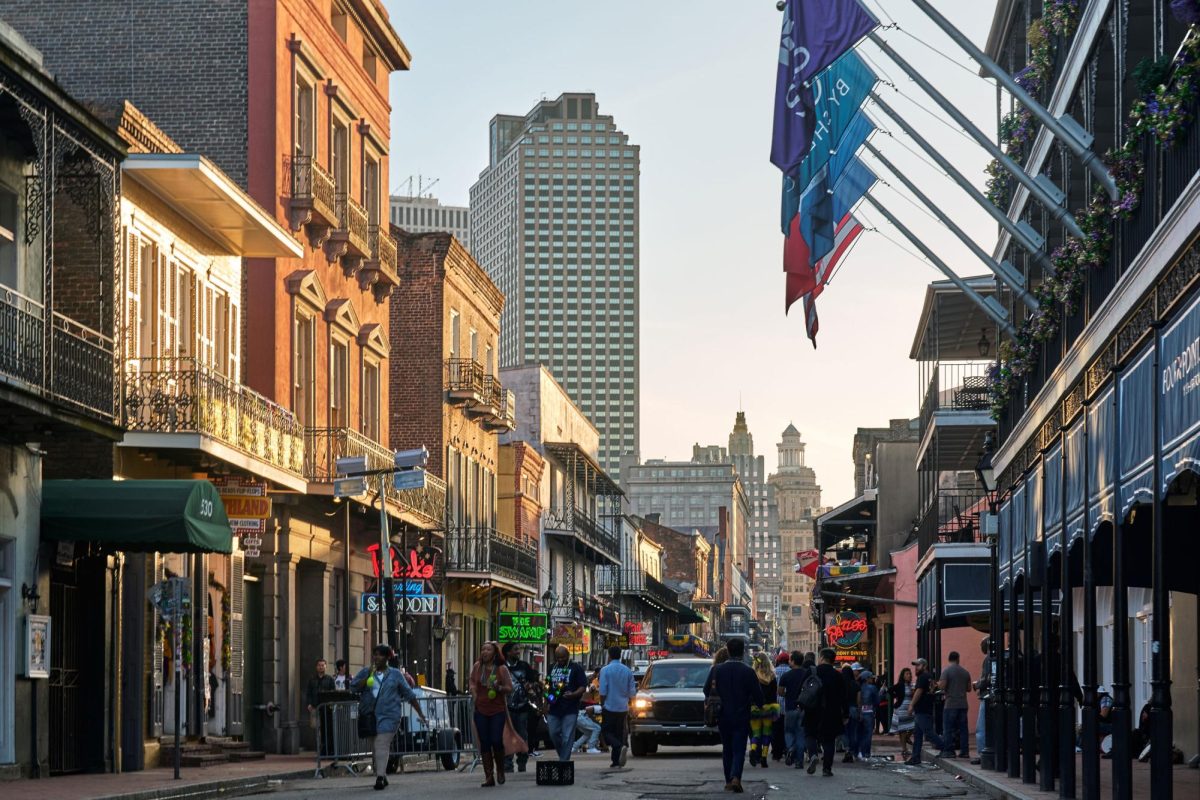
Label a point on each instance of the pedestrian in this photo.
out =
(825, 717)
(382, 689)
(922, 709)
(793, 714)
(868, 702)
(737, 686)
(902, 718)
(983, 688)
(779, 740)
(566, 684)
(341, 675)
(451, 685)
(762, 717)
(849, 674)
(520, 706)
(721, 656)
(957, 682)
(587, 728)
(490, 684)
(617, 690)
(322, 723)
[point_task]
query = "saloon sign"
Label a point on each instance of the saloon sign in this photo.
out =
(847, 635)
(416, 590)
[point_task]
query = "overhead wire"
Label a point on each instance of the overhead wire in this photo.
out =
(946, 56)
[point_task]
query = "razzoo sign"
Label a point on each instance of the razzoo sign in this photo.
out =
(847, 635)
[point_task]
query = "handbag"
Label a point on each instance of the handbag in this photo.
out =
(367, 725)
(513, 742)
(712, 704)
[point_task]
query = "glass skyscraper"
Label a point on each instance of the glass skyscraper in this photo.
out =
(554, 221)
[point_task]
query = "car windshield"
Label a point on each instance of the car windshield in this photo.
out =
(677, 676)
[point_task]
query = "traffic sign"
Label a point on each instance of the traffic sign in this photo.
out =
(411, 479)
(349, 487)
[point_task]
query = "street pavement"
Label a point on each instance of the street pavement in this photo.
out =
(671, 774)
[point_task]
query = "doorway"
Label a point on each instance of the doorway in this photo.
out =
(253, 675)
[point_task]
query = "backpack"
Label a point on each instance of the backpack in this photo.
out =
(812, 692)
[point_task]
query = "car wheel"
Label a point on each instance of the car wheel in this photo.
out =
(639, 746)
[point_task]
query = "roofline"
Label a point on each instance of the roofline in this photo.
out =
(868, 496)
(984, 284)
(384, 34)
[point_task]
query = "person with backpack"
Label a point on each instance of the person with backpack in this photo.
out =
(823, 697)
(737, 688)
(520, 709)
(793, 714)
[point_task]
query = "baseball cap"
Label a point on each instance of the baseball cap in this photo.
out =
(857, 667)
(920, 662)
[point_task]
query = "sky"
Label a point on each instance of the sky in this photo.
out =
(693, 84)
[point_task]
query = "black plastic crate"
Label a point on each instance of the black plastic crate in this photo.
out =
(555, 773)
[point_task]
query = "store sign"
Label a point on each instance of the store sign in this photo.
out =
(248, 508)
(655, 655)
(414, 605)
(847, 635)
(1181, 375)
(638, 633)
(37, 646)
(521, 628)
(573, 636)
(419, 564)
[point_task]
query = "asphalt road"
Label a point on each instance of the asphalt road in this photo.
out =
(671, 774)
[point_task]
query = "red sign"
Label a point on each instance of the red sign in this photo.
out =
(419, 565)
(847, 634)
(635, 634)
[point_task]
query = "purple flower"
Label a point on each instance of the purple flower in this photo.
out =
(1186, 11)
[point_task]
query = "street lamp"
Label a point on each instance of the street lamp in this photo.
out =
(985, 346)
(986, 474)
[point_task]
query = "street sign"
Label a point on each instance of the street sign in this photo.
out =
(349, 487)
(351, 465)
(413, 479)
(414, 605)
(407, 459)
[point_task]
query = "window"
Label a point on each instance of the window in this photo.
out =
(488, 364)
(305, 115)
(455, 331)
(304, 373)
(370, 400)
(474, 345)
(337, 18)
(9, 250)
(340, 157)
(339, 384)
(370, 193)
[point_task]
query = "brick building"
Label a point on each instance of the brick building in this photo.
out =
(687, 568)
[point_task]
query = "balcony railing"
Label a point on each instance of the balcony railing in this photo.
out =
(352, 225)
(486, 551)
(955, 386)
(466, 380)
(951, 515)
(578, 523)
(632, 582)
(180, 395)
(311, 190)
(595, 611)
(82, 368)
(379, 269)
(428, 503)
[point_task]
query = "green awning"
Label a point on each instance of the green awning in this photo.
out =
(688, 615)
(137, 516)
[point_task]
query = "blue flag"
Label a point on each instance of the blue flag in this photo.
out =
(815, 34)
(835, 155)
(828, 201)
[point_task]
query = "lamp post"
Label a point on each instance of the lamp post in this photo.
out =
(986, 475)
(549, 600)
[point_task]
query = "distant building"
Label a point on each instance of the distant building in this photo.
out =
(798, 498)
(428, 215)
(554, 221)
(763, 532)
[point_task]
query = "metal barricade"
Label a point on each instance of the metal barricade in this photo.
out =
(448, 735)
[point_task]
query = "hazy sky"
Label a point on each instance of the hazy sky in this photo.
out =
(693, 83)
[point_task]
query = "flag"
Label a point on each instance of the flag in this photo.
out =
(807, 562)
(829, 162)
(825, 201)
(815, 34)
(810, 285)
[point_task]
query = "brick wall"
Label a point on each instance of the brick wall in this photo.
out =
(680, 563)
(144, 51)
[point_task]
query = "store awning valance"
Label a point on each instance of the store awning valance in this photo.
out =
(688, 616)
(184, 516)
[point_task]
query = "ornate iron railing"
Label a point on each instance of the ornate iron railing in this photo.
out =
(465, 375)
(383, 251)
(181, 395)
(596, 611)
(428, 503)
(950, 516)
(310, 186)
(955, 386)
(324, 446)
(352, 219)
(634, 582)
(577, 522)
(486, 551)
(82, 368)
(22, 336)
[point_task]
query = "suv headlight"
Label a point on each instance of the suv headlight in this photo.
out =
(642, 705)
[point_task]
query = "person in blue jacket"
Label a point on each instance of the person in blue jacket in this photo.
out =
(382, 690)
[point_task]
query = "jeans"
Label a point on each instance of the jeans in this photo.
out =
(733, 750)
(520, 721)
(612, 727)
(587, 731)
(490, 730)
(922, 730)
(825, 746)
(793, 732)
(981, 728)
(852, 732)
(954, 728)
(866, 730)
(562, 733)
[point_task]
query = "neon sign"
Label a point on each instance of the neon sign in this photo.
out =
(847, 633)
(419, 565)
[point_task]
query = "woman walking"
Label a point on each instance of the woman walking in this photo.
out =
(383, 690)
(490, 684)
(762, 717)
(902, 718)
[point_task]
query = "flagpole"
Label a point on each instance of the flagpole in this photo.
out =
(995, 312)
(1004, 272)
(1027, 237)
(1045, 192)
(1066, 129)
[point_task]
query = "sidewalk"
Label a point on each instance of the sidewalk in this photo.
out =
(159, 784)
(1002, 787)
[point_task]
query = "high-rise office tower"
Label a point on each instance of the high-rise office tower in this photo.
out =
(798, 498)
(554, 221)
(763, 540)
(426, 214)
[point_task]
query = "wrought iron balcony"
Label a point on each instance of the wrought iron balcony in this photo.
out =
(634, 582)
(486, 552)
(82, 366)
(595, 611)
(180, 395)
(576, 523)
(950, 515)
(312, 197)
(466, 382)
(427, 504)
(500, 408)
(349, 240)
(379, 269)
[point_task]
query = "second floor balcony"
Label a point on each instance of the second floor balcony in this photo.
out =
(379, 269)
(484, 553)
(312, 198)
(179, 403)
(951, 515)
(349, 241)
(595, 541)
(595, 612)
(631, 582)
(482, 396)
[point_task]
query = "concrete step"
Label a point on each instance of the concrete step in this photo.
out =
(246, 755)
(202, 759)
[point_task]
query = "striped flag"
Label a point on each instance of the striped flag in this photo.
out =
(810, 285)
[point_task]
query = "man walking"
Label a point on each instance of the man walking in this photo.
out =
(567, 682)
(983, 686)
(318, 683)
(738, 688)
(519, 708)
(826, 714)
(617, 688)
(957, 682)
(793, 714)
(922, 710)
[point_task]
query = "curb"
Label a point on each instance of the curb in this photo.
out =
(989, 786)
(217, 788)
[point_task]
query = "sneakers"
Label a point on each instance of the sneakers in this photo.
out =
(624, 756)
(593, 751)
(912, 762)
(976, 762)
(812, 763)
